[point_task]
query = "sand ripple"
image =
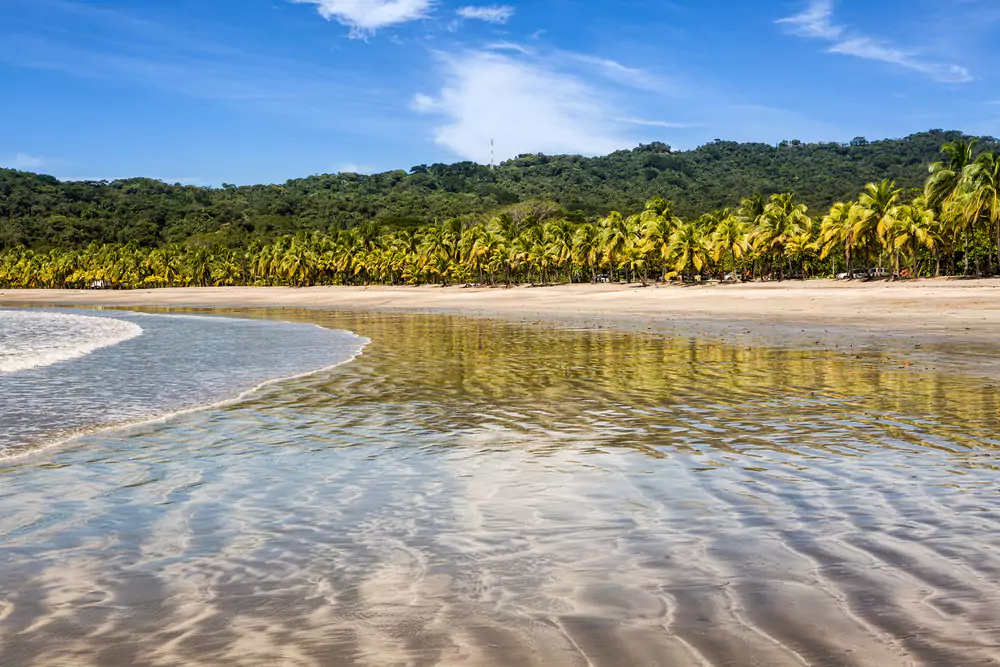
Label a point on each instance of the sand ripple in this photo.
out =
(469, 493)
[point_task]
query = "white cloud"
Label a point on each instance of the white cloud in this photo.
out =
(23, 161)
(865, 47)
(364, 17)
(491, 14)
(654, 123)
(423, 102)
(817, 22)
(526, 106)
(614, 70)
(509, 46)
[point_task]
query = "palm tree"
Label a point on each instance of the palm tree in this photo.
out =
(874, 214)
(616, 234)
(782, 219)
(730, 239)
(634, 259)
(800, 248)
(298, 265)
(200, 267)
(587, 248)
(912, 228)
(689, 248)
(484, 250)
(437, 248)
(836, 230)
(978, 194)
(946, 174)
(657, 229)
(944, 181)
(559, 240)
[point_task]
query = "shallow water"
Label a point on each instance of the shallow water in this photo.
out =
(479, 493)
(68, 373)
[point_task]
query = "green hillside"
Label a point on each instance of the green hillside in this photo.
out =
(40, 211)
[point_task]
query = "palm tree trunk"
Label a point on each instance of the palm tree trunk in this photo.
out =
(979, 271)
(967, 250)
(998, 244)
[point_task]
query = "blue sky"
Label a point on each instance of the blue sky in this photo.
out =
(259, 91)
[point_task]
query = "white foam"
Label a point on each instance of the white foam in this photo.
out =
(36, 339)
(17, 453)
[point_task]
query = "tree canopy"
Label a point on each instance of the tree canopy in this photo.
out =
(40, 212)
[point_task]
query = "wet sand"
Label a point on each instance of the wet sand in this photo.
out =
(471, 492)
(945, 309)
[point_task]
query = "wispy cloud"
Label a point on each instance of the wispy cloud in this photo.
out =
(364, 17)
(509, 46)
(490, 14)
(654, 123)
(524, 106)
(817, 22)
(23, 161)
(614, 70)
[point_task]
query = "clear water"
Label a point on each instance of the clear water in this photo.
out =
(31, 339)
(71, 372)
(478, 493)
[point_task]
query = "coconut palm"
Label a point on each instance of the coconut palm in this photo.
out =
(978, 194)
(559, 242)
(751, 211)
(616, 233)
(657, 229)
(729, 239)
(690, 249)
(946, 174)
(837, 231)
(781, 220)
(912, 228)
(873, 215)
(800, 249)
(943, 183)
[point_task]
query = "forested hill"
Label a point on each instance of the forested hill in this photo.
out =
(40, 211)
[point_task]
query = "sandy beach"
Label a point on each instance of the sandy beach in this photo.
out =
(940, 308)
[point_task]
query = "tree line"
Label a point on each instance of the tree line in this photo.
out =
(951, 225)
(41, 212)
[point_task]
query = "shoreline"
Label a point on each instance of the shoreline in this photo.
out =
(933, 309)
(21, 452)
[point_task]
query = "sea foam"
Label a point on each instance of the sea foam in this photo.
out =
(36, 339)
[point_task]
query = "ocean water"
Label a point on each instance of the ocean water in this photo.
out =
(66, 373)
(468, 492)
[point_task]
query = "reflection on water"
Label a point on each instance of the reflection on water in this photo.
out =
(477, 493)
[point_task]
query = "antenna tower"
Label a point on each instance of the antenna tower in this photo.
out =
(491, 155)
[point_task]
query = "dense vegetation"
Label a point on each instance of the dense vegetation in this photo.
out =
(536, 219)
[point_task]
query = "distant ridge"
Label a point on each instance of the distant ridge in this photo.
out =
(40, 211)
